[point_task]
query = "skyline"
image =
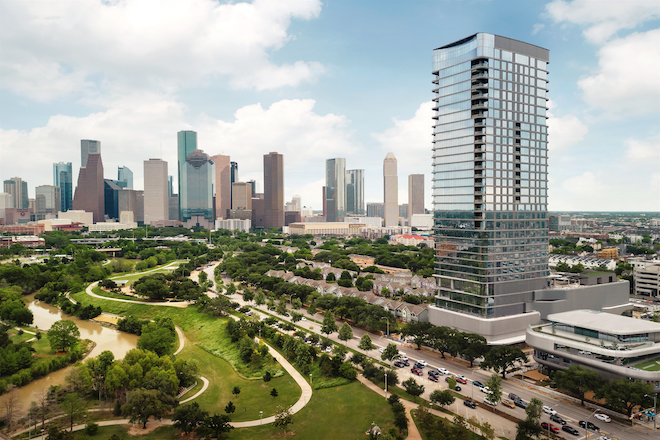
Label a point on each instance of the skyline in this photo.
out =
(334, 79)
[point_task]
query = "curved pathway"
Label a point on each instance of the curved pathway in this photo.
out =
(180, 304)
(182, 341)
(198, 393)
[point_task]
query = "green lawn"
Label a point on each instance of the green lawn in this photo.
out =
(134, 276)
(651, 365)
(97, 290)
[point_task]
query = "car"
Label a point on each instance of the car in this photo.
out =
(589, 425)
(485, 389)
(469, 404)
(557, 419)
(406, 363)
(447, 378)
(509, 403)
(461, 379)
(404, 358)
(603, 417)
(417, 371)
(570, 430)
(476, 383)
(422, 363)
(433, 378)
(328, 349)
(548, 410)
(418, 365)
(513, 396)
(520, 403)
(457, 388)
(550, 427)
(434, 373)
(490, 402)
(443, 371)
(381, 349)
(303, 319)
(399, 364)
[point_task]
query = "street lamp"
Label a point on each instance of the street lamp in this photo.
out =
(471, 374)
(388, 325)
(310, 379)
(586, 424)
(261, 417)
(386, 385)
(655, 410)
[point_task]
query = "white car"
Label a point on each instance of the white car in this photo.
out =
(381, 349)
(328, 349)
(490, 402)
(404, 358)
(422, 363)
(603, 418)
(485, 389)
(304, 319)
(548, 410)
(443, 371)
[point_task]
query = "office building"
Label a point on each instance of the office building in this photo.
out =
(88, 147)
(294, 205)
(375, 210)
(48, 201)
(403, 210)
(111, 192)
(234, 172)
(170, 186)
(196, 175)
(156, 198)
(258, 211)
(415, 196)
(18, 190)
(127, 201)
(125, 177)
(63, 177)
(390, 191)
(241, 195)
(90, 195)
(335, 189)
(5, 203)
(273, 190)
(223, 181)
(254, 186)
(647, 281)
(355, 192)
(173, 204)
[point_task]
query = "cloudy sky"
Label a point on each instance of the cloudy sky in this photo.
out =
(314, 80)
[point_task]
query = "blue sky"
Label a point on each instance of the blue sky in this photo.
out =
(314, 80)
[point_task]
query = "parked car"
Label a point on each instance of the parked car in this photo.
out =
(550, 427)
(422, 363)
(381, 349)
(589, 425)
(485, 389)
(476, 383)
(443, 371)
(603, 417)
(457, 388)
(433, 378)
(509, 403)
(513, 396)
(520, 403)
(447, 378)
(404, 358)
(556, 418)
(548, 410)
(434, 373)
(399, 364)
(461, 379)
(490, 402)
(570, 430)
(417, 371)
(469, 404)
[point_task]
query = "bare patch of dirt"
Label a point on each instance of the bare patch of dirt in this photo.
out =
(135, 429)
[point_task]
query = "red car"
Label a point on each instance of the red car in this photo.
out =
(461, 379)
(433, 378)
(417, 371)
(550, 426)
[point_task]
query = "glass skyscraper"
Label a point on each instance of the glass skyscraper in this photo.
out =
(355, 192)
(490, 174)
(125, 177)
(335, 189)
(63, 177)
(195, 182)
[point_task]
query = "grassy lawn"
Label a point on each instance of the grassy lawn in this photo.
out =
(651, 365)
(16, 338)
(254, 396)
(134, 276)
(97, 290)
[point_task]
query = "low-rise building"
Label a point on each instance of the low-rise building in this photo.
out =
(28, 241)
(647, 281)
(613, 345)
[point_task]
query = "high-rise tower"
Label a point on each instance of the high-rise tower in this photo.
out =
(490, 174)
(88, 147)
(124, 177)
(18, 190)
(335, 189)
(415, 195)
(156, 192)
(223, 181)
(90, 190)
(195, 182)
(390, 191)
(273, 190)
(355, 192)
(63, 177)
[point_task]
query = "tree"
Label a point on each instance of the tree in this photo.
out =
(578, 380)
(365, 343)
(390, 352)
(494, 384)
(419, 331)
(311, 310)
(501, 357)
(73, 408)
(188, 417)
(11, 404)
(345, 333)
(236, 391)
(441, 338)
(274, 392)
(413, 388)
(248, 295)
(471, 346)
(43, 405)
(451, 382)
(296, 304)
(534, 409)
(230, 408)
(530, 428)
(442, 398)
(295, 316)
(283, 417)
(158, 336)
(329, 325)
(63, 335)
(214, 426)
(339, 351)
(624, 395)
(142, 404)
(260, 298)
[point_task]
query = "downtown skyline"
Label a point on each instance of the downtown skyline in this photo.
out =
(312, 86)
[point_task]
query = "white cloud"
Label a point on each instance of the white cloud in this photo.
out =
(56, 48)
(133, 130)
(411, 142)
(604, 19)
(538, 27)
(564, 132)
(647, 151)
(627, 80)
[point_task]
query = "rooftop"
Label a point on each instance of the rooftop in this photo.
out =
(605, 322)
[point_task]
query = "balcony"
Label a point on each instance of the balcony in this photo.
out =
(479, 74)
(481, 82)
(479, 94)
(479, 113)
(479, 122)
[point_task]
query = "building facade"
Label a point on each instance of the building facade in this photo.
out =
(390, 191)
(18, 190)
(415, 196)
(90, 190)
(125, 177)
(63, 177)
(335, 189)
(273, 190)
(48, 201)
(223, 181)
(88, 147)
(490, 174)
(375, 210)
(196, 175)
(355, 192)
(647, 281)
(156, 192)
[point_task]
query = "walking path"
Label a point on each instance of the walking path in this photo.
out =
(180, 304)
(198, 393)
(182, 341)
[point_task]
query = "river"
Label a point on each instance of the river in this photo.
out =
(119, 343)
